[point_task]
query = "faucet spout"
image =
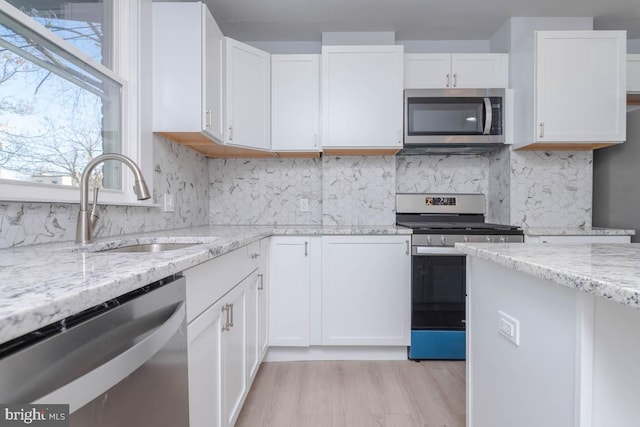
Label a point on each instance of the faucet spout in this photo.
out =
(84, 228)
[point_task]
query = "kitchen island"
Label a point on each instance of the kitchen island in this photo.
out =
(553, 335)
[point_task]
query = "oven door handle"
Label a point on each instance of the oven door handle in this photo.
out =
(435, 251)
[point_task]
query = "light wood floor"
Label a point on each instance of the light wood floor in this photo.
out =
(357, 393)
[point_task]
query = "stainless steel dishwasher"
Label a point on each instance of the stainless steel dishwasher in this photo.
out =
(121, 363)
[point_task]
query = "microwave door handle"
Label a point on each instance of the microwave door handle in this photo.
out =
(488, 116)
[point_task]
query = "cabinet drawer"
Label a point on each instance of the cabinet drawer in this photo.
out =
(209, 281)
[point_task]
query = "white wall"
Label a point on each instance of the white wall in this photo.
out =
(445, 46)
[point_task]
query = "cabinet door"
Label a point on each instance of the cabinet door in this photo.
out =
(213, 118)
(233, 354)
(177, 67)
(366, 290)
(633, 73)
(252, 316)
(204, 334)
(580, 86)
(362, 96)
(480, 70)
(263, 299)
(248, 97)
(289, 281)
(295, 102)
(427, 70)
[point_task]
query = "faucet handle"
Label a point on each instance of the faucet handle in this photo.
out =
(93, 218)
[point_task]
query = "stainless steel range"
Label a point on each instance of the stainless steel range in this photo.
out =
(438, 270)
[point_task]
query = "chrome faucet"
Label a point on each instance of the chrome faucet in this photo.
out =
(88, 219)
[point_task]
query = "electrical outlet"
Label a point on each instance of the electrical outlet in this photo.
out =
(509, 327)
(168, 203)
(304, 205)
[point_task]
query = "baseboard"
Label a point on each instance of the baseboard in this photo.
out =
(293, 354)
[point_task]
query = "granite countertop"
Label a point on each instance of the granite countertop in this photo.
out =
(577, 231)
(42, 284)
(608, 271)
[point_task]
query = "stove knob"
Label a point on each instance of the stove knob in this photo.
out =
(428, 240)
(465, 239)
(489, 239)
(443, 240)
(503, 239)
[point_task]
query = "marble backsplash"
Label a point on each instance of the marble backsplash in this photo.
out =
(536, 189)
(265, 191)
(448, 174)
(177, 170)
(498, 196)
(551, 189)
(522, 188)
(358, 190)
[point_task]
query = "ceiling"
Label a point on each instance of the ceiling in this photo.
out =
(305, 20)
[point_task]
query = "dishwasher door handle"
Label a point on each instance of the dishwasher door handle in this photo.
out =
(87, 387)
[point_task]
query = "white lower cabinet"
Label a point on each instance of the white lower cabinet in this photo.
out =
(289, 286)
(366, 290)
(225, 343)
(340, 290)
(234, 351)
(205, 377)
(263, 298)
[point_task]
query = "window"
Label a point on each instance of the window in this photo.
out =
(61, 103)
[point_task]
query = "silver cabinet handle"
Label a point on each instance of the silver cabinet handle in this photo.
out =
(208, 116)
(230, 133)
(448, 84)
(226, 326)
(315, 139)
(254, 256)
(400, 137)
(261, 287)
(541, 129)
(306, 248)
(408, 248)
(488, 116)
(455, 79)
(464, 321)
(231, 322)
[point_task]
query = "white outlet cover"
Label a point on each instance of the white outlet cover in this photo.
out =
(304, 205)
(168, 203)
(509, 327)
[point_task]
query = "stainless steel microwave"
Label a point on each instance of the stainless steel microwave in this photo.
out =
(454, 117)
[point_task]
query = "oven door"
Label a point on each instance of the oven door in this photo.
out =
(438, 299)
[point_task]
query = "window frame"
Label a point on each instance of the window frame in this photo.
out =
(132, 28)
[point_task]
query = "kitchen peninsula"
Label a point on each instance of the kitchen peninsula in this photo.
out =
(553, 334)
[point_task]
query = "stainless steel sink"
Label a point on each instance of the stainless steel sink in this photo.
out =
(151, 247)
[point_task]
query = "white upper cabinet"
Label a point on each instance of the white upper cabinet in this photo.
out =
(633, 73)
(187, 70)
(427, 70)
(362, 97)
(580, 86)
(458, 70)
(248, 96)
(295, 102)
